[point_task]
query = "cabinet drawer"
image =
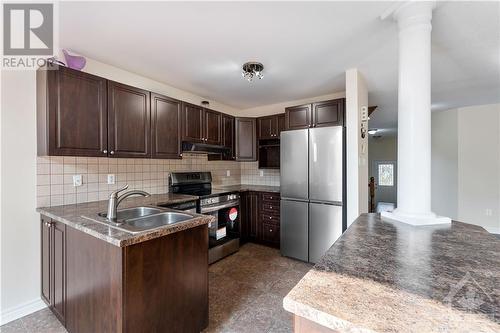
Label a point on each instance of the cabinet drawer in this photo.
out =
(270, 197)
(272, 208)
(270, 233)
(270, 219)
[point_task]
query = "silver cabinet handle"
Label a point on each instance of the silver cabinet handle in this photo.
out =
(270, 230)
(48, 224)
(271, 207)
(112, 152)
(270, 218)
(104, 151)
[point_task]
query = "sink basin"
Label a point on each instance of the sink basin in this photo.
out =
(139, 219)
(132, 213)
(154, 221)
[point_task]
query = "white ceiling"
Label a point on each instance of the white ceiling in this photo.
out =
(305, 47)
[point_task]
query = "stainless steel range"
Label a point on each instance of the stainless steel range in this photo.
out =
(224, 233)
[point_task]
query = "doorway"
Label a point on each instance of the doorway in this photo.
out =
(385, 176)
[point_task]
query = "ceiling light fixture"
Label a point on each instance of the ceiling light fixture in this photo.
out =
(252, 70)
(372, 131)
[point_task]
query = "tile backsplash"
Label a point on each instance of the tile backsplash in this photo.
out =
(55, 176)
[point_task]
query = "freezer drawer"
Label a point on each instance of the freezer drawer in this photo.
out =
(325, 164)
(294, 178)
(294, 229)
(325, 227)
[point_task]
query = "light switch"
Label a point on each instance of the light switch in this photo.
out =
(77, 180)
(111, 179)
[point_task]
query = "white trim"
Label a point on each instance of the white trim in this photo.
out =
(21, 310)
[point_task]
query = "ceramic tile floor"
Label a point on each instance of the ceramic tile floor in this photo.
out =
(246, 291)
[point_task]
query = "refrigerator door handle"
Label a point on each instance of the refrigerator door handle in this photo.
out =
(323, 202)
(294, 199)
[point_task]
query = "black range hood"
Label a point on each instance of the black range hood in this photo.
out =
(204, 148)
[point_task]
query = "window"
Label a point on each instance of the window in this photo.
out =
(386, 174)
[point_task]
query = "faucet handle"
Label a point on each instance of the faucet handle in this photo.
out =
(114, 194)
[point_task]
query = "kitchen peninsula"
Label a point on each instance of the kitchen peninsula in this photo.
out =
(391, 277)
(96, 278)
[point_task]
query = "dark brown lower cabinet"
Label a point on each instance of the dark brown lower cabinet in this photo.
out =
(54, 266)
(260, 221)
(160, 285)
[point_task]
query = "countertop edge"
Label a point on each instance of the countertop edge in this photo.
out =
(321, 318)
(135, 238)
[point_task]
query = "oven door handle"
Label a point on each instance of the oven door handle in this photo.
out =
(210, 209)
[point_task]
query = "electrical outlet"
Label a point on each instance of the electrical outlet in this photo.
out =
(228, 173)
(111, 179)
(77, 180)
(261, 173)
(489, 212)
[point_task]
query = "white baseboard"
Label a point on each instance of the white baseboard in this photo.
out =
(21, 310)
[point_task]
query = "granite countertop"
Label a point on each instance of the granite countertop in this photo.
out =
(71, 215)
(246, 188)
(391, 277)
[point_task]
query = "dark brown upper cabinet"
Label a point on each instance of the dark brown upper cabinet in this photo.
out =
(165, 127)
(129, 121)
(298, 117)
(329, 113)
(228, 135)
(269, 127)
(201, 125)
(321, 114)
(246, 141)
(266, 127)
(192, 123)
(281, 123)
(71, 113)
(212, 127)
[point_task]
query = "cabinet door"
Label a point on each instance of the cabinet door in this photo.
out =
(59, 269)
(281, 123)
(266, 127)
(129, 126)
(245, 139)
(77, 116)
(298, 117)
(253, 210)
(165, 127)
(228, 135)
(46, 260)
(329, 113)
(192, 123)
(212, 127)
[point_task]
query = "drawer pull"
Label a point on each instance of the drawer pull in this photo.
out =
(270, 230)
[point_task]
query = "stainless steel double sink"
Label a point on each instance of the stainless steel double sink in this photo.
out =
(139, 219)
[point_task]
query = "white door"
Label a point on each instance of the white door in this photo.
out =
(385, 173)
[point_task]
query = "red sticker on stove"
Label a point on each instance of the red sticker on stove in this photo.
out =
(233, 214)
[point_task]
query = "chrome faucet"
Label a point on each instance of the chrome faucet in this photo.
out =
(115, 199)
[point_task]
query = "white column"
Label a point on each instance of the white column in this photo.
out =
(414, 115)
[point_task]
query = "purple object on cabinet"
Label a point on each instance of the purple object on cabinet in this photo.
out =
(73, 61)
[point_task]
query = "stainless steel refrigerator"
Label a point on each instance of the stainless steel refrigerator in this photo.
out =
(312, 191)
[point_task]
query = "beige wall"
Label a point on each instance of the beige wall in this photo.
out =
(270, 109)
(19, 226)
(123, 76)
(470, 149)
(357, 147)
(444, 170)
(384, 148)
